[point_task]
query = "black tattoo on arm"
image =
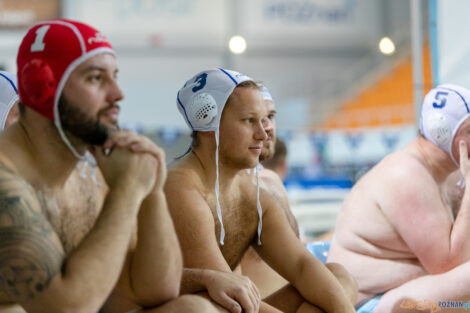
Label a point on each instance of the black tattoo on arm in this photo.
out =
(30, 252)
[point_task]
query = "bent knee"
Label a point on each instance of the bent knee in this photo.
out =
(195, 304)
(336, 268)
(342, 274)
(339, 270)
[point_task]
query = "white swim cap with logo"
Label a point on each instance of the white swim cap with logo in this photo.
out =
(201, 101)
(444, 109)
(8, 95)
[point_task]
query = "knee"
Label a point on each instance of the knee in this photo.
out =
(340, 272)
(344, 277)
(195, 304)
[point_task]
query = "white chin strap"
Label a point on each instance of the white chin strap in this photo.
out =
(219, 211)
(86, 160)
(258, 206)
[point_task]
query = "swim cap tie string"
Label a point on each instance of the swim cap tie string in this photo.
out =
(219, 211)
(258, 206)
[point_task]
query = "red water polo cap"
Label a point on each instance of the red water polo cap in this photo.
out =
(49, 52)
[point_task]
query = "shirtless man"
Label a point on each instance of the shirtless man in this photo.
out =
(266, 279)
(395, 233)
(64, 239)
(270, 178)
(9, 112)
(216, 212)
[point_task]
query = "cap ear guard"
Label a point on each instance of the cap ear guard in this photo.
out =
(439, 128)
(38, 83)
(203, 110)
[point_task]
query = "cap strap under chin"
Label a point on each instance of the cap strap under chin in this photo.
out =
(219, 211)
(258, 206)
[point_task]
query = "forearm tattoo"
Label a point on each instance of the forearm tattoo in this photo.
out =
(30, 253)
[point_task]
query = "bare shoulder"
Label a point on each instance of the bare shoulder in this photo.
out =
(270, 176)
(401, 181)
(272, 185)
(396, 178)
(187, 197)
(31, 253)
(277, 191)
(272, 181)
(183, 176)
(402, 169)
(186, 191)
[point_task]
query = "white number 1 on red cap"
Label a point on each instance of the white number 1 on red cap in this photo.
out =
(38, 44)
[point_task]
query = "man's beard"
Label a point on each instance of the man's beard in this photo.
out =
(81, 125)
(267, 152)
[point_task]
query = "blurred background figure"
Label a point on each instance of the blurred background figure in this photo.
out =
(278, 163)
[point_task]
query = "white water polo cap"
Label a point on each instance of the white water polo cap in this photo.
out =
(202, 98)
(201, 101)
(444, 109)
(8, 95)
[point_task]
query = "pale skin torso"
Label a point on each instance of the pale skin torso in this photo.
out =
(397, 230)
(365, 241)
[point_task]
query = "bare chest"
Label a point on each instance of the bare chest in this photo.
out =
(364, 228)
(72, 211)
(240, 220)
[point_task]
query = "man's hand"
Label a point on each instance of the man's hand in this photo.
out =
(123, 167)
(140, 144)
(232, 291)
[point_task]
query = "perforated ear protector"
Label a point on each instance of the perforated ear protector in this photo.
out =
(439, 128)
(39, 84)
(48, 54)
(203, 110)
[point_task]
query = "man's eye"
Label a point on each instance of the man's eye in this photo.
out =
(95, 77)
(271, 116)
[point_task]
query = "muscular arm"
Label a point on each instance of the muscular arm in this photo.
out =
(152, 272)
(276, 188)
(194, 226)
(206, 268)
(33, 269)
(284, 252)
(157, 260)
